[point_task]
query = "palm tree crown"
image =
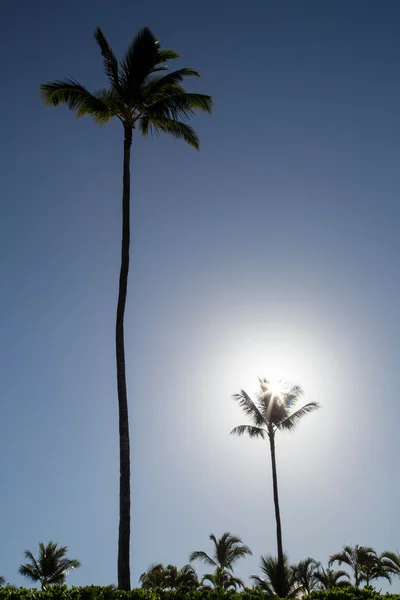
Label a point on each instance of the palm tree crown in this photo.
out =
(170, 577)
(138, 94)
(272, 411)
(228, 549)
(50, 567)
(274, 584)
(221, 579)
(329, 579)
(305, 573)
(364, 562)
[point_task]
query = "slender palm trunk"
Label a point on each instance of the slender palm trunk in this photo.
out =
(124, 575)
(282, 591)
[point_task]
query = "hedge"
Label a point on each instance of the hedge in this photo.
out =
(111, 593)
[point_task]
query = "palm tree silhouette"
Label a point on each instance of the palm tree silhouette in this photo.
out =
(142, 99)
(50, 567)
(363, 561)
(272, 412)
(228, 549)
(329, 579)
(277, 582)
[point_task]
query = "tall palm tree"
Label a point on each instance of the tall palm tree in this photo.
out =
(228, 549)
(51, 566)
(305, 574)
(358, 558)
(329, 579)
(274, 584)
(144, 100)
(271, 412)
(222, 579)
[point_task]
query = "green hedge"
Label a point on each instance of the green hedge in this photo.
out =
(111, 593)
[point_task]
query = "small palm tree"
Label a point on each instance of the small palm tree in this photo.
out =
(142, 100)
(305, 574)
(170, 577)
(358, 558)
(228, 549)
(154, 577)
(273, 583)
(187, 579)
(222, 579)
(329, 579)
(51, 566)
(272, 412)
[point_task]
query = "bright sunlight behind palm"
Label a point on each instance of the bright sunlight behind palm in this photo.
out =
(271, 412)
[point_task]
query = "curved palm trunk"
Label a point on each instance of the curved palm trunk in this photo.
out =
(124, 576)
(282, 590)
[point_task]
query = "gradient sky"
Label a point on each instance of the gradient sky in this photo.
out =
(273, 252)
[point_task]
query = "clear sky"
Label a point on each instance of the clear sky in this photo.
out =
(273, 252)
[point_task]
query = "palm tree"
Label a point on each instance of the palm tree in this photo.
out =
(154, 577)
(272, 412)
(358, 558)
(50, 567)
(142, 99)
(187, 579)
(228, 549)
(329, 579)
(170, 577)
(222, 579)
(274, 584)
(305, 574)
(2, 581)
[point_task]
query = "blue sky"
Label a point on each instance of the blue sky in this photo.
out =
(273, 252)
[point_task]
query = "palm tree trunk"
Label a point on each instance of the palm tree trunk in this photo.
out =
(282, 591)
(124, 576)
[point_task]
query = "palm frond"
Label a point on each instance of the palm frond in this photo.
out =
(178, 105)
(291, 422)
(250, 408)
(166, 54)
(156, 126)
(292, 396)
(203, 556)
(110, 61)
(140, 59)
(78, 99)
(251, 431)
